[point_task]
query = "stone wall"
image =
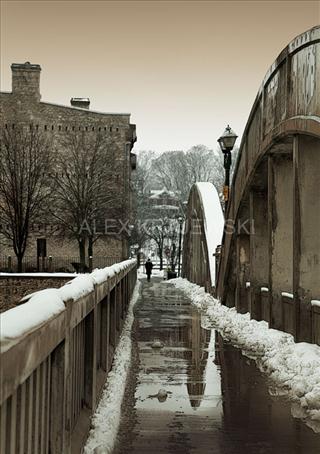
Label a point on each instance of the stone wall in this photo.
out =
(63, 249)
(14, 288)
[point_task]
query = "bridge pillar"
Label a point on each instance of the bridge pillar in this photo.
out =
(280, 216)
(243, 267)
(259, 250)
(231, 283)
(242, 232)
(306, 257)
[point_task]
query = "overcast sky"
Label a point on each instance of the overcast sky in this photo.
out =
(183, 69)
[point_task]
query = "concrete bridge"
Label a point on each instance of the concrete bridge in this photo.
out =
(270, 255)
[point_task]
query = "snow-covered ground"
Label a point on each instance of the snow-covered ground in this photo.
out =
(155, 273)
(105, 422)
(294, 368)
(40, 306)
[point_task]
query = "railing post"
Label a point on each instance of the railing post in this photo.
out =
(112, 325)
(90, 359)
(50, 264)
(105, 332)
(122, 298)
(118, 309)
(59, 439)
(10, 264)
(255, 302)
(127, 299)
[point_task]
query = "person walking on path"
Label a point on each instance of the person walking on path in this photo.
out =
(148, 265)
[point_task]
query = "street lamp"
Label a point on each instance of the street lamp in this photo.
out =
(180, 220)
(226, 142)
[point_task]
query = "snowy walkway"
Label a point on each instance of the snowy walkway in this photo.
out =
(190, 392)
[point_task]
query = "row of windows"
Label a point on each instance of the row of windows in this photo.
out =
(69, 128)
(33, 227)
(102, 176)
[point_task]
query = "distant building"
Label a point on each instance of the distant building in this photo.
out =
(23, 106)
(164, 201)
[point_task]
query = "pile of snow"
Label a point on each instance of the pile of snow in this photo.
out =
(155, 273)
(41, 306)
(287, 295)
(81, 286)
(106, 420)
(101, 275)
(158, 273)
(293, 367)
(213, 222)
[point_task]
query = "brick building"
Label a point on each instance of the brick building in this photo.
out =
(23, 106)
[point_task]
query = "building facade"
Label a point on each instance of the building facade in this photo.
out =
(23, 106)
(164, 201)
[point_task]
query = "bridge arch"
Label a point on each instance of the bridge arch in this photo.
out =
(272, 266)
(203, 233)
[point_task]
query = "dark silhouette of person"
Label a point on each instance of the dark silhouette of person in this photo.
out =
(148, 265)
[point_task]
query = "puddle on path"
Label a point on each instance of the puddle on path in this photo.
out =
(198, 394)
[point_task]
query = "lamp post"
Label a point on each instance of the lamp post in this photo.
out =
(180, 220)
(226, 142)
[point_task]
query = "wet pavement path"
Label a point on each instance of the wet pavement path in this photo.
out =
(198, 394)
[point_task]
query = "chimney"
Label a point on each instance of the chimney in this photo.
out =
(84, 103)
(26, 80)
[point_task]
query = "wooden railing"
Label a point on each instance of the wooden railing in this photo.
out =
(52, 376)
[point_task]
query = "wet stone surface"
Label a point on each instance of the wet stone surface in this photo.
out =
(190, 392)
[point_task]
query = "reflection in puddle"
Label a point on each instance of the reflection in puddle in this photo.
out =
(198, 394)
(258, 420)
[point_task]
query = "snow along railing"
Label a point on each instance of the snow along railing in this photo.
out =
(56, 351)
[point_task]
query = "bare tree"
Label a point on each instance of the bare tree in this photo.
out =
(201, 163)
(163, 230)
(171, 171)
(141, 185)
(86, 188)
(178, 171)
(158, 230)
(25, 160)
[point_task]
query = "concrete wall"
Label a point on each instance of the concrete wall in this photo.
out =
(14, 288)
(306, 256)
(281, 232)
(259, 250)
